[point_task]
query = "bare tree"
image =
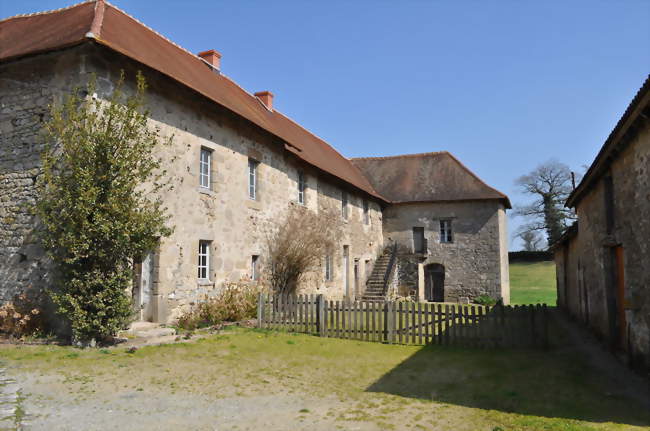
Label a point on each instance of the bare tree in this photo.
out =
(551, 184)
(299, 245)
(531, 239)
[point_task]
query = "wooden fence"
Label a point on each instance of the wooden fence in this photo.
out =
(407, 322)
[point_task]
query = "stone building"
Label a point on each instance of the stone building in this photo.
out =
(449, 226)
(238, 166)
(603, 275)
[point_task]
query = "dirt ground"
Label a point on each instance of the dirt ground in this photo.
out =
(251, 380)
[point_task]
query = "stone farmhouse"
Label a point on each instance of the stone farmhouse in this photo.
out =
(603, 275)
(241, 165)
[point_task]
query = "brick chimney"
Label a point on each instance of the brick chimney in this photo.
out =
(266, 97)
(212, 57)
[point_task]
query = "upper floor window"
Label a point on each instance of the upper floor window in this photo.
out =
(252, 178)
(344, 204)
(204, 260)
(366, 212)
(445, 231)
(418, 240)
(205, 166)
(302, 185)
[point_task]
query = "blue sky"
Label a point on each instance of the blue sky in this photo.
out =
(503, 85)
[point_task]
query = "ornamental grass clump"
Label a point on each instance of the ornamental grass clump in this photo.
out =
(99, 204)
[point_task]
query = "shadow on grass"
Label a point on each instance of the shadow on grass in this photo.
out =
(555, 384)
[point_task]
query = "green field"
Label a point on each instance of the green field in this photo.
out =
(532, 283)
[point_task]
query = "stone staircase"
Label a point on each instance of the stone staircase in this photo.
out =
(375, 284)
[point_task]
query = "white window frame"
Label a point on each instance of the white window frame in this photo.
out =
(204, 261)
(252, 178)
(366, 212)
(329, 276)
(446, 232)
(302, 186)
(255, 261)
(344, 204)
(205, 168)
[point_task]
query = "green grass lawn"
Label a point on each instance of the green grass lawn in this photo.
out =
(532, 283)
(330, 384)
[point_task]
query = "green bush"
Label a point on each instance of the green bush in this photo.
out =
(485, 300)
(97, 218)
(237, 301)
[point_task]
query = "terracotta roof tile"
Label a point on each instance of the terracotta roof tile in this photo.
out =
(111, 27)
(425, 177)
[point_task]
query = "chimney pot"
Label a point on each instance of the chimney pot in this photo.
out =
(212, 57)
(266, 97)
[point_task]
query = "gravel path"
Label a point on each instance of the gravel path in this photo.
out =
(12, 410)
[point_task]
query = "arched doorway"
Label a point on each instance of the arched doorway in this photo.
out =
(434, 282)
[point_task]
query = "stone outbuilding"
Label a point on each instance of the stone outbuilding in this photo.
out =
(238, 164)
(449, 226)
(603, 261)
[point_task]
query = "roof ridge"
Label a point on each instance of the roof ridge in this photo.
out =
(151, 29)
(45, 12)
(402, 156)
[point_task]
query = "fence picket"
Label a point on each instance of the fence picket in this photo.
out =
(407, 322)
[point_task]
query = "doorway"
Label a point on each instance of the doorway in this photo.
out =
(434, 282)
(356, 278)
(143, 288)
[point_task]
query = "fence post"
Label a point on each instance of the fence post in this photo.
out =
(260, 310)
(545, 341)
(320, 315)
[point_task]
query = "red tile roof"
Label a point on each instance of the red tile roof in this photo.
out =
(107, 25)
(426, 177)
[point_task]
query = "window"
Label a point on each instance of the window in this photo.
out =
(302, 185)
(205, 165)
(204, 260)
(418, 240)
(255, 267)
(328, 268)
(252, 178)
(366, 213)
(445, 231)
(344, 204)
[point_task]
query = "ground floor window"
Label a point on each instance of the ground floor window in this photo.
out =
(204, 260)
(328, 268)
(255, 267)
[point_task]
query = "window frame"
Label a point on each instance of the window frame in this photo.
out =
(344, 204)
(255, 260)
(207, 164)
(203, 266)
(446, 231)
(329, 267)
(302, 186)
(252, 178)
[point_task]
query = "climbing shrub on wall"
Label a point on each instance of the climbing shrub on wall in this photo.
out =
(99, 204)
(298, 245)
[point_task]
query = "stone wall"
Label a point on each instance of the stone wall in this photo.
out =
(26, 89)
(585, 265)
(224, 215)
(476, 262)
